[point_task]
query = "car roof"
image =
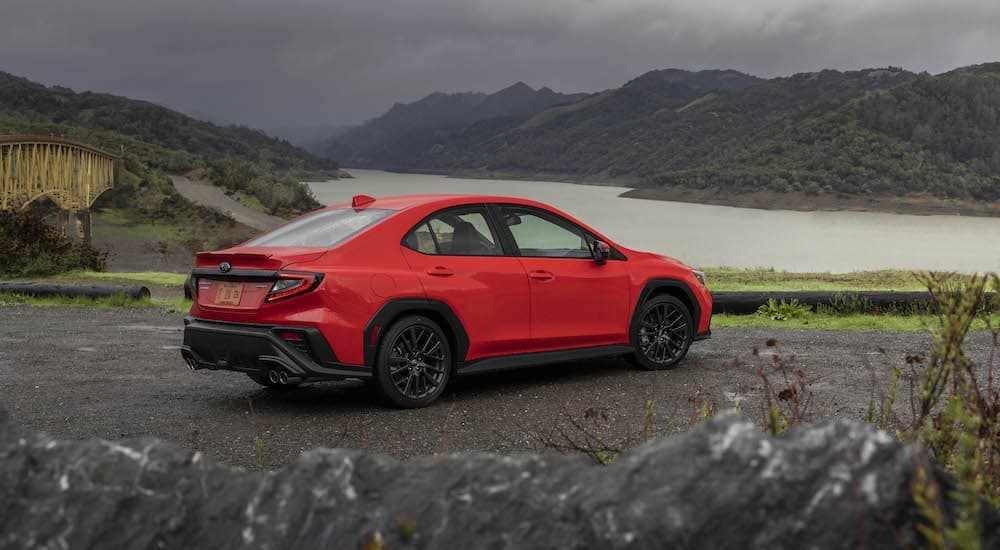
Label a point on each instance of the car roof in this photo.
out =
(402, 202)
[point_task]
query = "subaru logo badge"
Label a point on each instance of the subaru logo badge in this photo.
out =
(225, 267)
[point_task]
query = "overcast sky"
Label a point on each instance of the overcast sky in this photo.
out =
(287, 63)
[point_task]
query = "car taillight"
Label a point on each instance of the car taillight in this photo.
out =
(190, 287)
(292, 284)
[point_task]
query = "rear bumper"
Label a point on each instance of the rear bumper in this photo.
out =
(258, 349)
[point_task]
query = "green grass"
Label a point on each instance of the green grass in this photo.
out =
(817, 321)
(121, 224)
(250, 201)
(118, 300)
(170, 305)
(727, 278)
(154, 278)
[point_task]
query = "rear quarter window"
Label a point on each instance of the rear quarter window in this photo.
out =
(322, 229)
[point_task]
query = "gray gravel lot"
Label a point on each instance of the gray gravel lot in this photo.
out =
(114, 374)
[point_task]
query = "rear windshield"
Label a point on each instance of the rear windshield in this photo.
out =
(322, 229)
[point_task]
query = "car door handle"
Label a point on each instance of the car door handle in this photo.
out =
(440, 271)
(542, 275)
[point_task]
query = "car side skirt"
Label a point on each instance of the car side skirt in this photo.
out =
(506, 362)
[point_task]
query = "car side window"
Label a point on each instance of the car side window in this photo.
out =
(543, 236)
(455, 232)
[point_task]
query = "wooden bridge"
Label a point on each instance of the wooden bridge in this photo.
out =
(71, 173)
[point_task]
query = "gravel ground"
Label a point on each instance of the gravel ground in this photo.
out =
(114, 374)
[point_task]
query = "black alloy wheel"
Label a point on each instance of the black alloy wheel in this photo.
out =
(662, 333)
(414, 362)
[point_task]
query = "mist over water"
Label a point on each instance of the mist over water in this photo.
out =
(714, 236)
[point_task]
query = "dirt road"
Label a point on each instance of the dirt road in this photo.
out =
(214, 197)
(118, 373)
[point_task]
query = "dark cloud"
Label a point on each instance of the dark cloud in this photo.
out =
(302, 62)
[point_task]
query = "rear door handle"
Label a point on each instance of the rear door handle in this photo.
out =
(440, 271)
(542, 275)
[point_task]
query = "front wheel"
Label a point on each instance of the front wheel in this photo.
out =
(414, 362)
(662, 333)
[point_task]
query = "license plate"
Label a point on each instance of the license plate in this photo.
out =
(229, 294)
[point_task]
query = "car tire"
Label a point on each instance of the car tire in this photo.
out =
(414, 362)
(661, 334)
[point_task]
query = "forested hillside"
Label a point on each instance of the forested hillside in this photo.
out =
(35, 105)
(870, 132)
(154, 140)
(936, 135)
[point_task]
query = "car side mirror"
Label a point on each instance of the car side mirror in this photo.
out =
(601, 251)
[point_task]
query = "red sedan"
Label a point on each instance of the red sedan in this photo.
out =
(409, 291)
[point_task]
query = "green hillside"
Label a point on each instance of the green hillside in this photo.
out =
(885, 132)
(935, 135)
(103, 116)
(154, 140)
(143, 222)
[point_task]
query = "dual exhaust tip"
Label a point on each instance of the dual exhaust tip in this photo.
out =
(281, 377)
(278, 376)
(189, 359)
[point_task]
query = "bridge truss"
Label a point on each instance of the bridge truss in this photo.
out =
(71, 173)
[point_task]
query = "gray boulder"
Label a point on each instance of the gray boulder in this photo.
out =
(722, 485)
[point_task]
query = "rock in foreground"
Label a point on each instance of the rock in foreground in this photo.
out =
(723, 485)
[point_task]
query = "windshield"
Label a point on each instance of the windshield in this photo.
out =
(322, 229)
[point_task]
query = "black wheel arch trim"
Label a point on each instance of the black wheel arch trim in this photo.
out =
(654, 285)
(401, 306)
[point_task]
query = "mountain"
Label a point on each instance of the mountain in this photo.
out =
(883, 131)
(115, 122)
(407, 131)
(608, 134)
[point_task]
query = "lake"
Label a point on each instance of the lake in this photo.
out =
(715, 236)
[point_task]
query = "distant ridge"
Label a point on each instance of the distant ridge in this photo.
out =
(872, 132)
(405, 129)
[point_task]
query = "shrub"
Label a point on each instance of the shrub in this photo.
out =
(280, 194)
(30, 247)
(783, 311)
(955, 412)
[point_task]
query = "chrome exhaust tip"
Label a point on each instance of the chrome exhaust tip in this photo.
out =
(282, 377)
(272, 376)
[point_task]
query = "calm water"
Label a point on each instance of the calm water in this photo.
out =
(711, 236)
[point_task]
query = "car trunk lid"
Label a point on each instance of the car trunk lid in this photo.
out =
(240, 280)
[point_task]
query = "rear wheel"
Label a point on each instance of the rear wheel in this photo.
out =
(414, 362)
(662, 333)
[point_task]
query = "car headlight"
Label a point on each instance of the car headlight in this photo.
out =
(700, 275)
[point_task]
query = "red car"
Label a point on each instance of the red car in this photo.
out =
(410, 291)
